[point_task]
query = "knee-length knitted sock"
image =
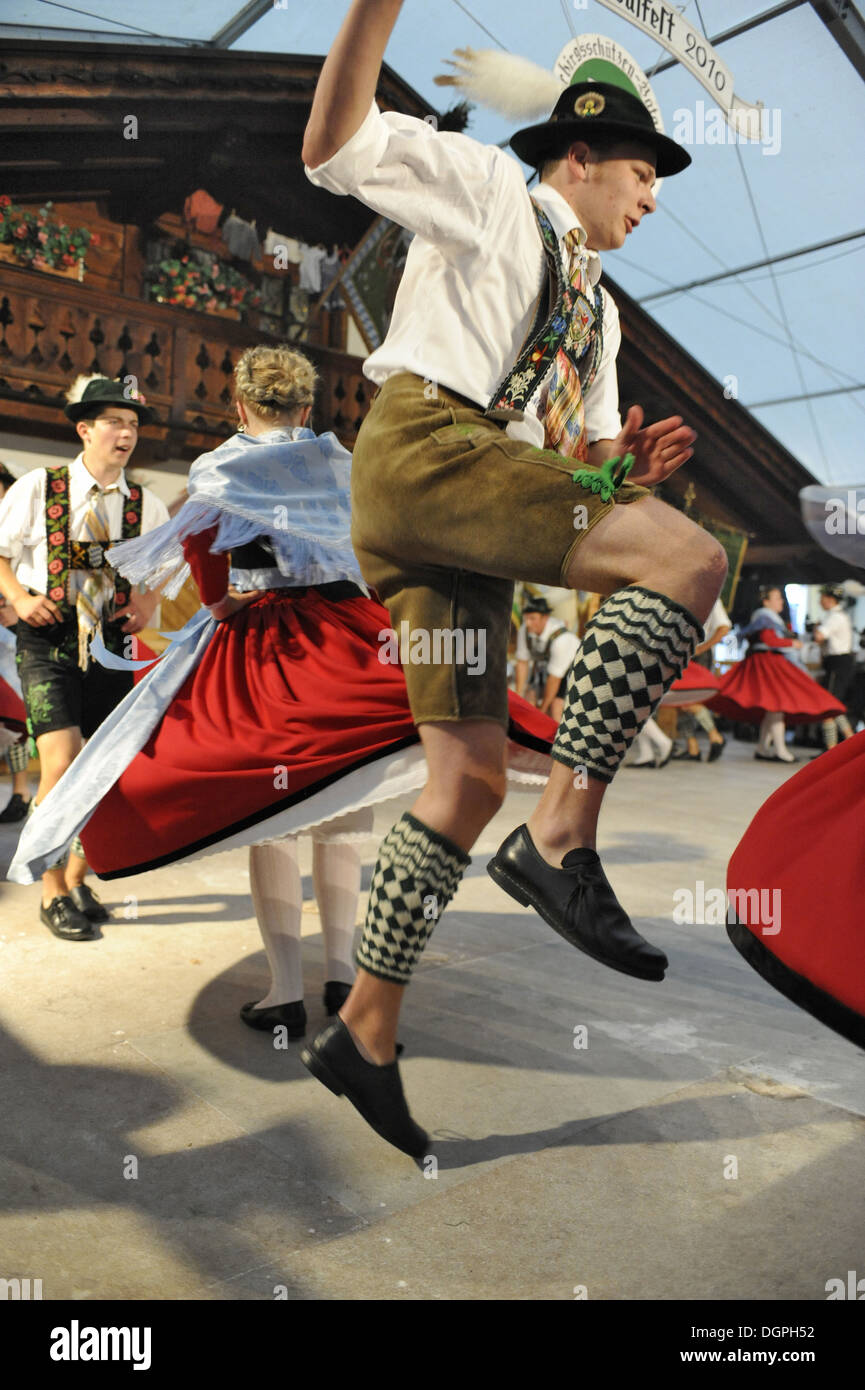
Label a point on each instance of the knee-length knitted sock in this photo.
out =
(636, 645)
(416, 875)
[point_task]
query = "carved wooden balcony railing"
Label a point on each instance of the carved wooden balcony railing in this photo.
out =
(52, 329)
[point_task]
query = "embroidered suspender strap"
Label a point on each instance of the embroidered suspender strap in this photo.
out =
(65, 555)
(131, 527)
(549, 333)
(57, 536)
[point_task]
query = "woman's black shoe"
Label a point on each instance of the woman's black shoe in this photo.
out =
(577, 902)
(62, 917)
(14, 810)
(716, 749)
(291, 1017)
(685, 757)
(335, 994)
(87, 903)
(375, 1092)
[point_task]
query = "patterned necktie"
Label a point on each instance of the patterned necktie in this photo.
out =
(564, 414)
(98, 585)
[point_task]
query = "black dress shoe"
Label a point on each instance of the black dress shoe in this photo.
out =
(376, 1092)
(335, 994)
(685, 757)
(716, 749)
(14, 810)
(291, 1017)
(87, 903)
(63, 918)
(577, 902)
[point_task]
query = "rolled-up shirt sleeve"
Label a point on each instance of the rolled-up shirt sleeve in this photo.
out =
(440, 184)
(22, 521)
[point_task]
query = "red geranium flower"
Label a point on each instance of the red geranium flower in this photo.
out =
(56, 538)
(134, 494)
(55, 566)
(131, 516)
(58, 485)
(5, 201)
(55, 511)
(56, 594)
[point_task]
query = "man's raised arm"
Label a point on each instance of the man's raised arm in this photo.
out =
(348, 79)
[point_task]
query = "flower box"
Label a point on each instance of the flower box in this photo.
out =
(68, 272)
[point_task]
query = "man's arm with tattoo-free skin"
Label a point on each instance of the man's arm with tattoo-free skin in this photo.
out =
(348, 79)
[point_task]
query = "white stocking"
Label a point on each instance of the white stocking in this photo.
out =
(766, 726)
(336, 878)
(277, 895)
(658, 740)
(777, 735)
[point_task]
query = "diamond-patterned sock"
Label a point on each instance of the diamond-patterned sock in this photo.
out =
(636, 645)
(416, 875)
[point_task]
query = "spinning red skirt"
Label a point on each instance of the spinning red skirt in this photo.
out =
(697, 685)
(289, 699)
(807, 841)
(767, 683)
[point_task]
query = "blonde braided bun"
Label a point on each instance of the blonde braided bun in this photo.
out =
(274, 381)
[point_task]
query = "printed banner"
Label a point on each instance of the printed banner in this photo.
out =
(664, 24)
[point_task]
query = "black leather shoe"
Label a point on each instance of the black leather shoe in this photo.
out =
(375, 1092)
(87, 903)
(685, 757)
(577, 902)
(14, 810)
(716, 749)
(63, 918)
(291, 1017)
(335, 994)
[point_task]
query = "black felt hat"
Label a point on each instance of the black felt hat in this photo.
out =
(587, 109)
(536, 605)
(101, 392)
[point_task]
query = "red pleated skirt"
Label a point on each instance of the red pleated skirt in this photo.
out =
(807, 845)
(289, 696)
(696, 686)
(767, 683)
(12, 711)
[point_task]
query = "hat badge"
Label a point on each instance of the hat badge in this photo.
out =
(590, 104)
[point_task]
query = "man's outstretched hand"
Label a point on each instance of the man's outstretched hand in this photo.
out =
(658, 449)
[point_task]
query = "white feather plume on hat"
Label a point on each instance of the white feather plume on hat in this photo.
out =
(515, 87)
(80, 384)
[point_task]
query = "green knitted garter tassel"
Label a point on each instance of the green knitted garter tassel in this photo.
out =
(608, 478)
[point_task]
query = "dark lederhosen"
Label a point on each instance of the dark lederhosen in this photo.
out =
(839, 673)
(57, 693)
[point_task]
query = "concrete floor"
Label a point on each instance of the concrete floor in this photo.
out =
(706, 1142)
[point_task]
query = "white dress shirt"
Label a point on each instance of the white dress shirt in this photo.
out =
(555, 642)
(22, 519)
(475, 267)
(836, 627)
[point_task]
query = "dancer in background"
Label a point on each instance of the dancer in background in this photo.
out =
(14, 741)
(834, 634)
(275, 713)
(55, 527)
(768, 690)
